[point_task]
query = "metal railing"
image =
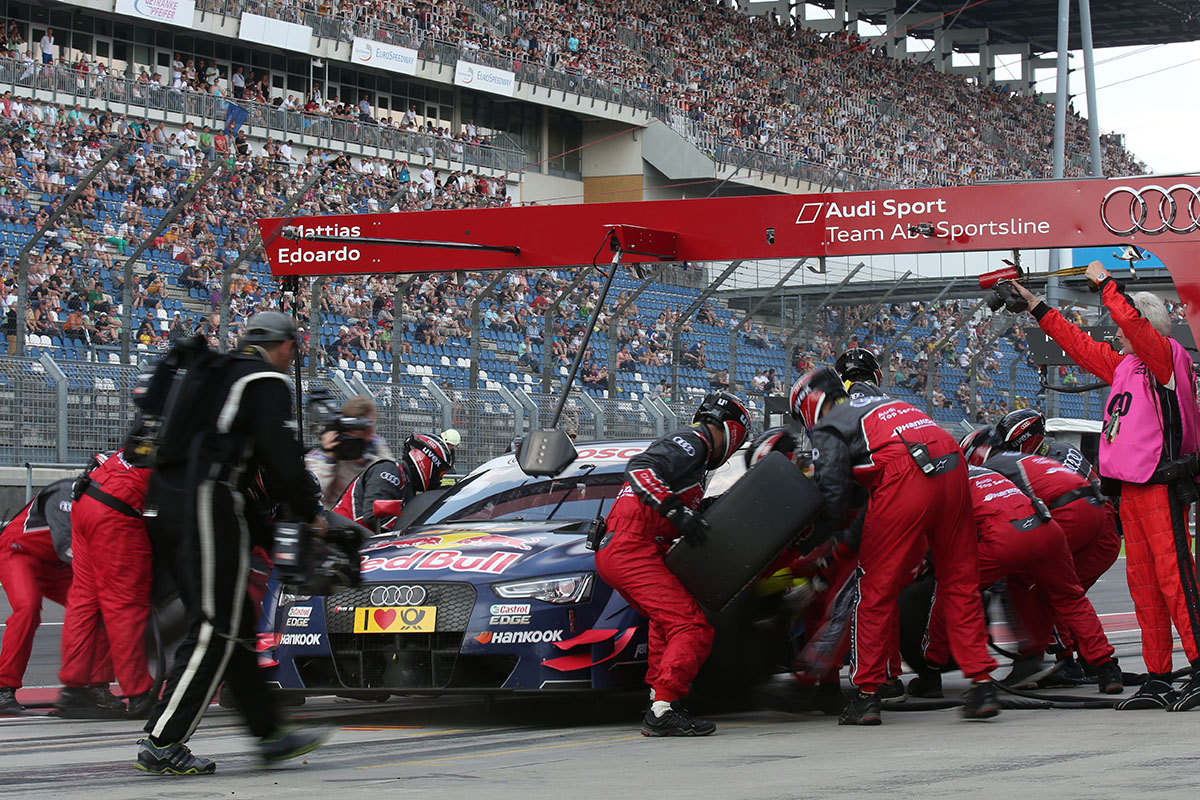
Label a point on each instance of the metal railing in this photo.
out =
(68, 87)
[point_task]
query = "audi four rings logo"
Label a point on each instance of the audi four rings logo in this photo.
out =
(1152, 210)
(398, 595)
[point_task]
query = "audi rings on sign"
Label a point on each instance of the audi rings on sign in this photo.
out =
(398, 595)
(1152, 210)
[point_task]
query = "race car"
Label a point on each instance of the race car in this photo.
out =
(490, 588)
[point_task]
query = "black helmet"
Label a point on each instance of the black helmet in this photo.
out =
(267, 327)
(859, 364)
(774, 440)
(728, 413)
(813, 391)
(1023, 429)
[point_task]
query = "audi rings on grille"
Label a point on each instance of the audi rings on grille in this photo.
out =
(1152, 210)
(398, 595)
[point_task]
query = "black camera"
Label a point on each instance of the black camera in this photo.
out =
(1003, 296)
(324, 411)
(315, 565)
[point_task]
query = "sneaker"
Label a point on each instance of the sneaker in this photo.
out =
(675, 722)
(891, 692)
(1026, 672)
(980, 702)
(864, 709)
(105, 698)
(926, 684)
(141, 705)
(288, 743)
(1188, 697)
(8, 702)
(84, 702)
(1153, 695)
(831, 701)
(171, 759)
(1067, 674)
(1109, 676)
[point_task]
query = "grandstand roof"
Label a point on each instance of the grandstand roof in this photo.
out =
(1115, 23)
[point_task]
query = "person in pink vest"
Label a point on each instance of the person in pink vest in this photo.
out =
(1148, 443)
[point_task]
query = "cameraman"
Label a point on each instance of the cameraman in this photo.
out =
(1151, 429)
(338, 459)
(243, 434)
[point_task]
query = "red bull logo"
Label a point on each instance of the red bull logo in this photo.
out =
(441, 541)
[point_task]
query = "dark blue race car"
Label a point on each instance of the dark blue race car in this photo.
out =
(489, 588)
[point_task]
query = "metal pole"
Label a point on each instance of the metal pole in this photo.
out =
(885, 355)
(803, 325)
(23, 255)
(549, 314)
(587, 337)
(1060, 100)
(973, 368)
(754, 309)
(315, 293)
(677, 328)
(252, 246)
(873, 310)
(398, 327)
(476, 333)
(1089, 78)
(168, 218)
(615, 320)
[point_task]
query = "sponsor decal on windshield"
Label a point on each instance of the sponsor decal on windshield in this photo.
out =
(453, 560)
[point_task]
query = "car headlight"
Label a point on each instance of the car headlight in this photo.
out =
(561, 590)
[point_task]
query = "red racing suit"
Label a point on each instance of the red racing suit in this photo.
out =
(377, 495)
(672, 469)
(1158, 558)
(31, 569)
(869, 440)
(1075, 502)
(1017, 543)
(113, 577)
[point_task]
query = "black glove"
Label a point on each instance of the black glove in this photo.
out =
(691, 525)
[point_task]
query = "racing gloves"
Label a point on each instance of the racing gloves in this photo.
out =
(689, 523)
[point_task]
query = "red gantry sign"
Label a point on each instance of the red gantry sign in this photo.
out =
(1161, 214)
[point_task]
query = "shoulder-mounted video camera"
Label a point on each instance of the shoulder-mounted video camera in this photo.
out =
(316, 565)
(327, 414)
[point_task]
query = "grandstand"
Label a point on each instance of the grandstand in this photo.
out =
(440, 350)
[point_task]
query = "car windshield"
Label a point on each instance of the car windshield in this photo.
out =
(516, 496)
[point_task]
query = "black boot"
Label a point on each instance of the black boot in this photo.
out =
(8, 702)
(1109, 677)
(864, 709)
(141, 705)
(980, 702)
(1155, 694)
(83, 702)
(675, 722)
(926, 684)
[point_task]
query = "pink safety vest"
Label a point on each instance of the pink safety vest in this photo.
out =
(1136, 447)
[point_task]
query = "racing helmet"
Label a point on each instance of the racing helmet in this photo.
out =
(813, 391)
(429, 457)
(1023, 429)
(977, 446)
(859, 364)
(773, 440)
(728, 413)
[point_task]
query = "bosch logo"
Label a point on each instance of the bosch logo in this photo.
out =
(1152, 210)
(398, 595)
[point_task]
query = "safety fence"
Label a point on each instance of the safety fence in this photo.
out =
(65, 411)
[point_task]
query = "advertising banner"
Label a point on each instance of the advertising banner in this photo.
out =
(171, 12)
(484, 79)
(384, 56)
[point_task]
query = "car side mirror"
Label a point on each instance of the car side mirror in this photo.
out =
(546, 453)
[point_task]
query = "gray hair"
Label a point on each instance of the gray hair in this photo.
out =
(1151, 307)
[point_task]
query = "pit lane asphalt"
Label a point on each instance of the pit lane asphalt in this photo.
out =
(532, 748)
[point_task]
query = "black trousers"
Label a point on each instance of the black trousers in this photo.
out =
(206, 540)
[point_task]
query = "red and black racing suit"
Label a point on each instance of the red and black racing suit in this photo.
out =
(863, 440)
(671, 470)
(31, 569)
(110, 595)
(1031, 552)
(377, 495)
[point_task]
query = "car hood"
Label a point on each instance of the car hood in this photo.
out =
(477, 552)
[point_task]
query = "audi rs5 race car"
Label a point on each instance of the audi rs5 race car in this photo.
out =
(490, 588)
